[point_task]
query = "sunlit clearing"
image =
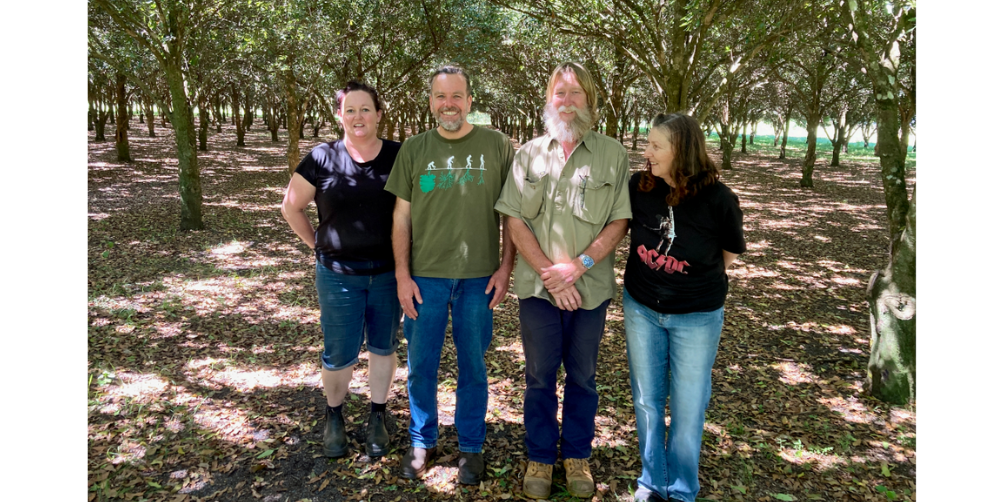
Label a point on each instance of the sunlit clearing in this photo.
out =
(849, 409)
(136, 385)
(516, 348)
(794, 373)
(440, 479)
(821, 461)
(234, 247)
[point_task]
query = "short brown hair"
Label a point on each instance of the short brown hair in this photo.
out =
(691, 168)
(451, 69)
(585, 81)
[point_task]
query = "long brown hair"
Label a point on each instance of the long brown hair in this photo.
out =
(691, 169)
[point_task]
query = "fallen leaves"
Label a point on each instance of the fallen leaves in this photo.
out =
(203, 347)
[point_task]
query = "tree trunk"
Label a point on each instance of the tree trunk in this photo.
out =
(99, 124)
(203, 123)
(839, 143)
(727, 146)
(235, 98)
(148, 110)
(892, 169)
(785, 134)
(892, 307)
(840, 129)
(812, 121)
(121, 120)
(743, 140)
(293, 121)
(249, 111)
(218, 113)
(635, 134)
(90, 113)
(189, 184)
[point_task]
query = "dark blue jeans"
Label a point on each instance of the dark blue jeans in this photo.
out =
(554, 337)
(468, 306)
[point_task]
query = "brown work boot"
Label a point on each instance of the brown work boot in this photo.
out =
(578, 480)
(537, 480)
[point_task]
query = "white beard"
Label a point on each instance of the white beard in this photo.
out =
(566, 132)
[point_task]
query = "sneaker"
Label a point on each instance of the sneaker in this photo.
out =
(470, 468)
(378, 441)
(335, 442)
(416, 462)
(537, 480)
(578, 480)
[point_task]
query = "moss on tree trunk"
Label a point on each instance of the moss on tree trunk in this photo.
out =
(892, 307)
(189, 184)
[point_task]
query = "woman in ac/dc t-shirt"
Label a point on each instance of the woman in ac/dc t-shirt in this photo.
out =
(686, 229)
(357, 291)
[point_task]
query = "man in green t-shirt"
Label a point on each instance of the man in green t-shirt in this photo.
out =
(446, 253)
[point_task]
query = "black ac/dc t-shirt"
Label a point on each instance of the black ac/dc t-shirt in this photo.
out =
(354, 210)
(675, 261)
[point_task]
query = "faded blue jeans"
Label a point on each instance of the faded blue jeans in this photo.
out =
(670, 355)
(472, 332)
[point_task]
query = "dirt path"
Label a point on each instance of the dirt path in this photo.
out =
(203, 349)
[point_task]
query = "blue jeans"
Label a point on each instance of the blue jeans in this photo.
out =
(670, 354)
(355, 308)
(468, 307)
(553, 337)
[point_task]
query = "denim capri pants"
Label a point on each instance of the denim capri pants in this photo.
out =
(354, 309)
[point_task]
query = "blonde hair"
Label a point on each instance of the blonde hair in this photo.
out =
(585, 81)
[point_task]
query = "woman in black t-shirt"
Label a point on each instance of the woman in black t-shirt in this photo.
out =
(686, 229)
(357, 291)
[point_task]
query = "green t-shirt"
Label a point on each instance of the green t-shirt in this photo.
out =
(452, 185)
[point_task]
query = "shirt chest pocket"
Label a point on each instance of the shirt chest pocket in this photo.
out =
(532, 199)
(594, 200)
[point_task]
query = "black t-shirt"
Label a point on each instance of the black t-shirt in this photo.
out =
(675, 261)
(354, 210)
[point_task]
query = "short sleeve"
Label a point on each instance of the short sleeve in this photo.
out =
(731, 223)
(512, 191)
(399, 182)
(509, 153)
(309, 166)
(622, 209)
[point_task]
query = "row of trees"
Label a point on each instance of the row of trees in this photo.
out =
(730, 63)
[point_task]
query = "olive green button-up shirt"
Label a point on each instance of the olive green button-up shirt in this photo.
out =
(566, 204)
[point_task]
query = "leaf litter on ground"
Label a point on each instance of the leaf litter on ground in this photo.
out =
(203, 349)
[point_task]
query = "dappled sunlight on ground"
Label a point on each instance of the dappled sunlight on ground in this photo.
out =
(203, 347)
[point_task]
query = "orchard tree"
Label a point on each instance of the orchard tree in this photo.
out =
(164, 29)
(883, 36)
(688, 49)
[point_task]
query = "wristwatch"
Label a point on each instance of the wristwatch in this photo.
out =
(587, 261)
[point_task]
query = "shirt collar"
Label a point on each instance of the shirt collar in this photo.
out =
(589, 141)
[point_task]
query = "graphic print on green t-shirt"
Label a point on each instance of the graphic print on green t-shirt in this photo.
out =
(447, 179)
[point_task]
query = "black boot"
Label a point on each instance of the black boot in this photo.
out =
(470, 468)
(378, 440)
(336, 444)
(416, 462)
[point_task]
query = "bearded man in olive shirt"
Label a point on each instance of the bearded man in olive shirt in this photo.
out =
(567, 198)
(446, 251)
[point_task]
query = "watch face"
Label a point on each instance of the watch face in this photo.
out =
(587, 262)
